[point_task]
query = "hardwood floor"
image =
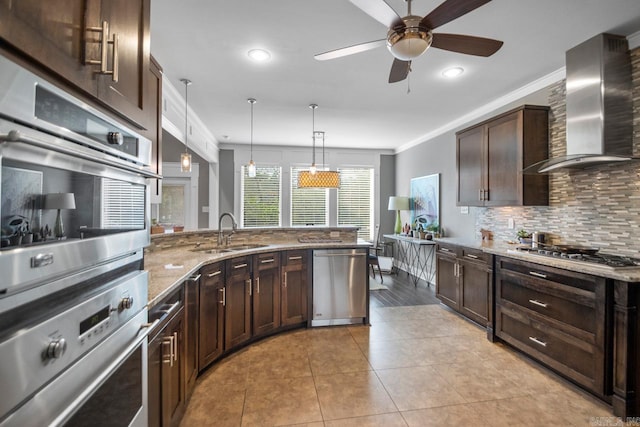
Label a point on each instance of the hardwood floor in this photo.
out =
(400, 292)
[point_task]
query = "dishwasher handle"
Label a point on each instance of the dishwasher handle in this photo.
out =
(339, 255)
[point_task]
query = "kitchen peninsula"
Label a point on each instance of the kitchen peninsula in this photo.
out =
(208, 300)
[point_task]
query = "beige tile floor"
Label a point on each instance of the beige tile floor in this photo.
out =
(414, 366)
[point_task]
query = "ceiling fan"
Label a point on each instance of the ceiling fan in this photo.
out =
(410, 36)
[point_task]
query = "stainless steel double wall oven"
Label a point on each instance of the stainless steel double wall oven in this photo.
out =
(74, 215)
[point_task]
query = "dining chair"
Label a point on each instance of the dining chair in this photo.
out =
(373, 253)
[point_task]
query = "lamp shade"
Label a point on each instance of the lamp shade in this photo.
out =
(398, 203)
(60, 201)
(321, 179)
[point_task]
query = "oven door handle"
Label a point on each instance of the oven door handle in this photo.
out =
(104, 375)
(17, 136)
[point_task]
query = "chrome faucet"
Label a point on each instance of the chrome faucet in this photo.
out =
(234, 227)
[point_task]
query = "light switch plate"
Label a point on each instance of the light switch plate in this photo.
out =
(511, 223)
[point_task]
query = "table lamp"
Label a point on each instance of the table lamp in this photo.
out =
(398, 203)
(59, 201)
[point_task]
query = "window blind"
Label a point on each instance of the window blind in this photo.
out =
(261, 197)
(355, 200)
(122, 205)
(308, 205)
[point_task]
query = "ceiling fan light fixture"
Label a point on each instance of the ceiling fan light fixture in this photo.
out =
(453, 72)
(259, 55)
(410, 41)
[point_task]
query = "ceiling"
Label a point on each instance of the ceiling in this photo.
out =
(207, 42)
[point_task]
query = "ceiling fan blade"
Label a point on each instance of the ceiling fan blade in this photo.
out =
(380, 11)
(469, 45)
(399, 70)
(350, 50)
(450, 10)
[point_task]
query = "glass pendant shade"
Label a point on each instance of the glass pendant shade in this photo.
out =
(251, 169)
(185, 162)
(313, 169)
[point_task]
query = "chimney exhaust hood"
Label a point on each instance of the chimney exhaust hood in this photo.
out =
(599, 105)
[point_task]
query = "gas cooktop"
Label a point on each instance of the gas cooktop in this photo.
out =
(583, 254)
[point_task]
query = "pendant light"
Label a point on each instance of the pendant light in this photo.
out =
(251, 167)
(314, 178)
(185, 158)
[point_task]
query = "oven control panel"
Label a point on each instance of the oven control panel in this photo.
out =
(58, 341)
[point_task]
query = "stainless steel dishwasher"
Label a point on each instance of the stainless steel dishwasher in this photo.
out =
(340, 286)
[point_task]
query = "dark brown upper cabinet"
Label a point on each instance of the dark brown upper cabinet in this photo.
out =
(491, 155)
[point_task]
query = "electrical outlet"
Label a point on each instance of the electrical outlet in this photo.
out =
(334, 234)
(464, 210)
(511, 223)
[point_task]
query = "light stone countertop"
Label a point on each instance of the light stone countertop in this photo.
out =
(627, 274)
(163, 281)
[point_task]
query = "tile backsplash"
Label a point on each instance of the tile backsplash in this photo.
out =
(598, 206)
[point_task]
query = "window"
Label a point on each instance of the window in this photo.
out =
(308, 205)
(261, 197)
(355, 200)
(122, 204)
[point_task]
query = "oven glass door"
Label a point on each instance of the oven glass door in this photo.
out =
(118, 401)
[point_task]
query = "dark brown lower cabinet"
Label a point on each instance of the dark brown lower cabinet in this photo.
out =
(266, 293)
(191, 308)
(211, 314)
(166, 398)
(238, 289)
(464, 282)
(294, 289)
(556, 316)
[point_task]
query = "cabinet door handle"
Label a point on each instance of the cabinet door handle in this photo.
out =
(533, 273)
(455, 270)
(267, 261)
(223, 301)
(114, 65)
(257, 285)
(195, 278)
(445, 250)
(175, 346)
(237, 266)
(168, 341)
(486, 195)
(214, 274)
(102, 62)
(538, 303)
(248, 282)
(460, 270)
(284, 279)
(481, 194)
(295, 258)
(537, 341)
(471, 256)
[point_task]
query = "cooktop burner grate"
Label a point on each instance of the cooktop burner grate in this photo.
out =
(564, 252)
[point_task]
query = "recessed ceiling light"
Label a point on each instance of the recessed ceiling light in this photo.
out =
(259, 55)
(452, 72)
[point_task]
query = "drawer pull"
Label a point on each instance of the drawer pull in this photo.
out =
(243, 265)
(214, 274)
(538, 303)
(471, 256)
(533, 273)
(267, 261)
(250, 286)
(537, 341)
(294, 258)
(194, 278)
(445, 250)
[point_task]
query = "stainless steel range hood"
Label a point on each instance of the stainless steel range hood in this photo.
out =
(599, 105)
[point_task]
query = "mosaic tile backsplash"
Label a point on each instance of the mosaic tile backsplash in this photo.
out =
(598, 206)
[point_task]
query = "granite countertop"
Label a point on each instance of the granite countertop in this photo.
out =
(168, 268)
(627, 274)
